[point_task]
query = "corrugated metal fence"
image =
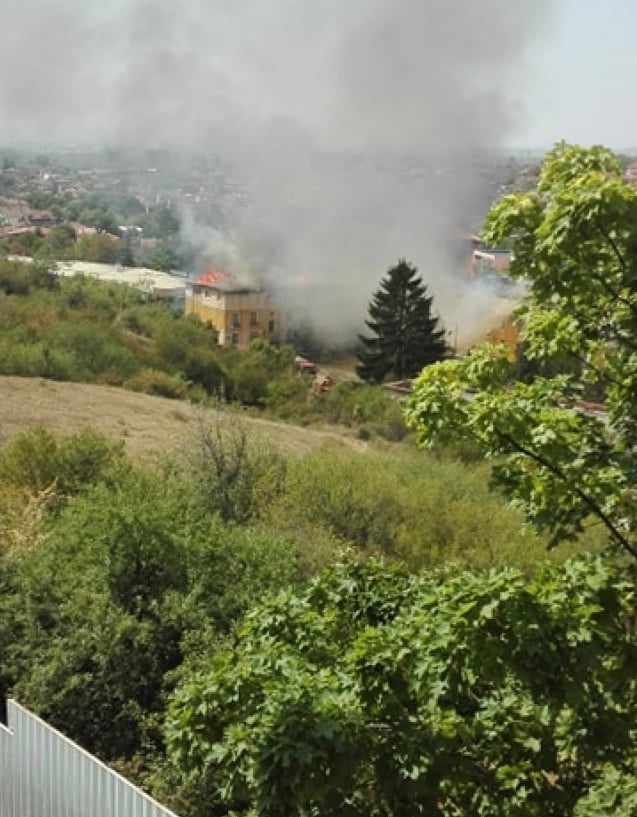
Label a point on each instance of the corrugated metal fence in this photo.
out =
(44, 774)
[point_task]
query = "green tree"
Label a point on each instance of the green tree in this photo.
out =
(37, 460)
(102, 602)
(574, 241)
(59, 243)
(167, 221)
(102, 248)
(406, 336)
(377, 693)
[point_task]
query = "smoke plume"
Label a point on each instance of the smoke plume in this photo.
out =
(358, 128)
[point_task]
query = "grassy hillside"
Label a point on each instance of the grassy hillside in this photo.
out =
(85, 331)
(147, 425)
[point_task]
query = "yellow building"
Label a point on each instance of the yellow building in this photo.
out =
(240, 314)
(507, 333)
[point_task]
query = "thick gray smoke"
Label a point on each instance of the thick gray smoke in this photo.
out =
(359, 127)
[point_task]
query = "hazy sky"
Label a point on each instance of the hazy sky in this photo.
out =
(578, 81)
(136, 68)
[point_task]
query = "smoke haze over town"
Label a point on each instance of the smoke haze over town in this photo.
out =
(357, 129)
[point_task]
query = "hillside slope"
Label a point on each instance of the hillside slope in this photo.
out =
(148, 425)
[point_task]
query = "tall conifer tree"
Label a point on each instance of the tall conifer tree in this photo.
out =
(406, 335)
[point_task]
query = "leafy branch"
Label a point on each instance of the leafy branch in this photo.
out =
(586, 498)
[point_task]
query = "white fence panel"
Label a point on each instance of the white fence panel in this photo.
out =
(44, 774)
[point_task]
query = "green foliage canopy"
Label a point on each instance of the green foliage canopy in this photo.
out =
(36, 460)
(575, 245)
(129, 581)
(377, 693)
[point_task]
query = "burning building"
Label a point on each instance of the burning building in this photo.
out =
(238, 312)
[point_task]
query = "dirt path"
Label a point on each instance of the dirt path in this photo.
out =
(148, 425)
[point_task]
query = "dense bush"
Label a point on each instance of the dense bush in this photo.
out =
(131, 579)
(252, 372)
(96, 354)
(352, 404)
(15, 279)
(376, 693)
(418, 507)
(141, 574)
(233, 474)
(288, 396)
(154, 381)
(37, 459)
(84, 330)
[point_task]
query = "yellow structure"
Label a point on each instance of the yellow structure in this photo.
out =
(506, 333)
(240, 314)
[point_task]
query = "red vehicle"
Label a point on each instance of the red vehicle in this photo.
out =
(305, 366)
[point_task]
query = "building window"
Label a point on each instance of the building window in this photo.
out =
(254, 335)
(270, 326)
(235, 319)
(254, 318)
(234, 338)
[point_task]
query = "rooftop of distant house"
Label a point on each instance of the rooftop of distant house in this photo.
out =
(224, 281)
(494, 251)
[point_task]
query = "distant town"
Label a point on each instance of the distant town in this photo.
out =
(118, 215)
(135, 199)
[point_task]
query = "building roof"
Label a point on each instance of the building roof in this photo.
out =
(148, 280)
(224, 281)
(491, 251)
(212, 278)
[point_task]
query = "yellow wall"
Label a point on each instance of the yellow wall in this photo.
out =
(506, 333)
(237, 317)
(205, 313)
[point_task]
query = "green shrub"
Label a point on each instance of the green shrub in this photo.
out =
(37, 459)
(249, 384)
(42, 277)
(146, 319)
(421, 508)
(85, 458)
(154, 381)
(26, 360)
(97, 352)
(186, 346)
(17, 278)
(287, 396)
(134, 579)
(344, 493)
(59, 364)
(14, 278)
(201, 367)
(391, 426)
(351, 404)
(233, 473)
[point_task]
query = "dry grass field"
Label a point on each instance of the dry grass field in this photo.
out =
(148, 425)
